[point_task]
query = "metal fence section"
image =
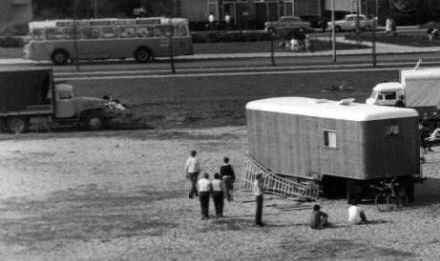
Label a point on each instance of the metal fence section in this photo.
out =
(275, 184)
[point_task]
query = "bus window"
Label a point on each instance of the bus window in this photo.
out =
(108, 32)
(90, 32)
(143, 31)
(126, 32)
(180, 30)
(162, 31)
(38, 34)
(54, 33)
(68, 32)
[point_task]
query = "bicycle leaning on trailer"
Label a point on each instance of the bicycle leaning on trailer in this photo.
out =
(389, 195)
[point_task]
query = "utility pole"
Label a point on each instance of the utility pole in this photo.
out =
(373, 46)
(333, 31)
(173, 69)
(95, 8)
(357, 20)
(75, 34)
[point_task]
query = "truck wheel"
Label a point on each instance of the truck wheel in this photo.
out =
(16, 125)
(95, 123)
(59, 57)
(367, 28)
(338, 29)
(142, 55)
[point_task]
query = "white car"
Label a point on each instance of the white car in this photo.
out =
(349, 23)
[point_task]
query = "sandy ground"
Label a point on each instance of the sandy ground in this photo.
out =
(123, 196)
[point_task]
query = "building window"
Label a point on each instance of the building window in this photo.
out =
(330, 138)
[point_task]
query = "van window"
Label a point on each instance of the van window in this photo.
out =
(330, 138)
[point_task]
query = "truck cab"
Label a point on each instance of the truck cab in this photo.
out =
(386, 94)
(68, 106)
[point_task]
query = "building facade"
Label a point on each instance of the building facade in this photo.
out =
(15, 12)
(250, 13)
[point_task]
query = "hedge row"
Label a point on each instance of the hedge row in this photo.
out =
(11, 41)
(229, 36)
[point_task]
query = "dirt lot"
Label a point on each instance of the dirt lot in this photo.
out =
(122, 196)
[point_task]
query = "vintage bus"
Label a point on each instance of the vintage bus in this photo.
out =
(141, 38)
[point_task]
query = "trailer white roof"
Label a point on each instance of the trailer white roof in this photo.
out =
(428, 73)
(343, 110)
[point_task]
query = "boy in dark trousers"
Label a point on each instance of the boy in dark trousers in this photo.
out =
(258, 191)
(228, 176)
(218, 195)
(318, 219)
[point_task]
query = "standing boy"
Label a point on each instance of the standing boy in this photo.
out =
(192, 170)
(204, 186)
(218, 195)
(258, 192)
(228, 176)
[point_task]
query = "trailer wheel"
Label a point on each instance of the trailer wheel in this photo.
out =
(16, 125)
(142, 55)
(95, 123)
(59, 57)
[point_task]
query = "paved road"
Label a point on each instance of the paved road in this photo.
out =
(255, 65)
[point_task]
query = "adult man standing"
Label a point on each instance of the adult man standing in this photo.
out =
(227, 21)
(192, 170)
(258, 192)
(228, 176)
(211, 21)
(204, 186)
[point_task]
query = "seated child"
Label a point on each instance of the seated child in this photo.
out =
(318, 219)
(356, 214)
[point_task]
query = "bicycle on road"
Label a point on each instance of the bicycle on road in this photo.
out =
(389, 196)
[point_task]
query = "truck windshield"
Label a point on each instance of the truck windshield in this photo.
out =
(389, 95)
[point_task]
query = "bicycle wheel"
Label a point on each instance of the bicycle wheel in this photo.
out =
(403, 196)
(381, 202)
(393, 202)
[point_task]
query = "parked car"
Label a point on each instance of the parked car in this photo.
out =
(288, 23)
(349, 23)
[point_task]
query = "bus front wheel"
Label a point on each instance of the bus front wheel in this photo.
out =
(142, 55)
(60, 57)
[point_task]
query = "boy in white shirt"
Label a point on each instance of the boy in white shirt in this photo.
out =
(204, 187)
(356, 214)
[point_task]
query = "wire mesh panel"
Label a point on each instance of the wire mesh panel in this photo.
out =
(275, 184)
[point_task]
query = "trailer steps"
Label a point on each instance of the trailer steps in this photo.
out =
(277, 185)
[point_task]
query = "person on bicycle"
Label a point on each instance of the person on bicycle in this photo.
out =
(356, 214)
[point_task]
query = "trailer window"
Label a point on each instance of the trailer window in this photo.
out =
(330, 138)
(392, 130)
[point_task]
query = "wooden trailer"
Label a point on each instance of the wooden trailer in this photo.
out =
(334, 143)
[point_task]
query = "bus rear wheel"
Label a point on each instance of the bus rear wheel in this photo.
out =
(142, 55)
(60, 57)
